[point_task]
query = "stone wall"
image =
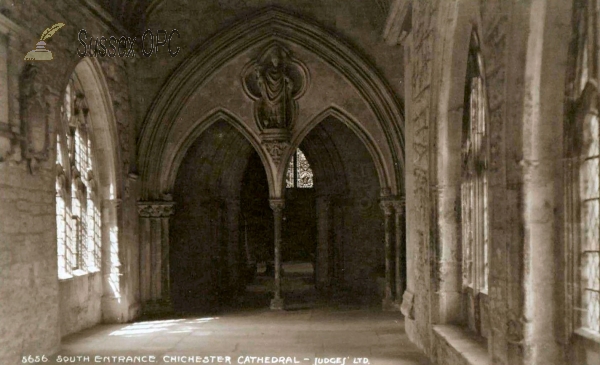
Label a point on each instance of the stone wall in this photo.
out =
(34, 303)
(356, 22)
(523, 44)
(418, 167)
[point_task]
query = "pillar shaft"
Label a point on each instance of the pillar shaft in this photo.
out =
(388, 298)
(155, 293)
(400, 249)
(277, 205)
(324, 245)
(233, 243)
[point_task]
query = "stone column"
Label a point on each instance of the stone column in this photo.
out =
(155, 290)
(114, 307)
(323, 268)
(233, 243)
(277, 205)
(400, 250)
(388, 299)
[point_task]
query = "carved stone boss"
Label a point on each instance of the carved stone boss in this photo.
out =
(275, 81)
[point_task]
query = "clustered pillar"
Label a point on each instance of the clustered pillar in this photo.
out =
(394, 243)
(400, 250)
(277, 206)
(233, 252)
(155, 291)
(323, 265)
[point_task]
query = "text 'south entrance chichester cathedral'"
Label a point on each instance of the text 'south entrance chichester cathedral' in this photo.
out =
(300, 181)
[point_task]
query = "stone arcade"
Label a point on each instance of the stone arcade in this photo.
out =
(382, 181)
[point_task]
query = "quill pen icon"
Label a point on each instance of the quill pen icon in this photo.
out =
(40, 53)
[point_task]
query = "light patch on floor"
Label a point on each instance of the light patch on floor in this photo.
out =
(364, 336)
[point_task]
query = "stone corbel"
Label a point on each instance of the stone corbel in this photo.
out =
(36, 108)
(276, 149)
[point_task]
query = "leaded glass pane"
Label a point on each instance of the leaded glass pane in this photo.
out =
(467, 232)
(79, 238)
(305, 174)
(289, 178)
(61, 233)
(474, 186)
(588, 217)
(299, 173)
(486, 235)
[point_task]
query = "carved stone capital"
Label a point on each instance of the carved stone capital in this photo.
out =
(156, 209)
(276, 149)
(387, 205)
(116, 203)
(277, 205)
(399, 205)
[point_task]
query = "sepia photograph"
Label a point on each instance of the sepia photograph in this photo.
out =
(311, 182)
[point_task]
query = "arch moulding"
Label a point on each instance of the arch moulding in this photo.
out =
(156, 170)
(343, 116)
(173, 161)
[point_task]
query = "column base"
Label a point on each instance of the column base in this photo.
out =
(118, 310)
(387, 305)
(277, 304)
(398, 305)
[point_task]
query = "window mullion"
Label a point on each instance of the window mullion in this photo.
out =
(296, 169)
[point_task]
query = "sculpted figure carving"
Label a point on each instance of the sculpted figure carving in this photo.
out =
(274, 81)
(276, 106)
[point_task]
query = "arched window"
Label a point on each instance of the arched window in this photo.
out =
(299, 174)
(77, 201)
(583, 175)
(474, 181)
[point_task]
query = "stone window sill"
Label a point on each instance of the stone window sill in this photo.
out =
(472, 348)
(77, 274)
(589, 339)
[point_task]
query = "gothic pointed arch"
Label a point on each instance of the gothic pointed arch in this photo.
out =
(354, 125)
(202, 124)
(271, 24)
(88, 189)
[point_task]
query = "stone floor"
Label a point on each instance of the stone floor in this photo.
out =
(362, 335)
(338, 329)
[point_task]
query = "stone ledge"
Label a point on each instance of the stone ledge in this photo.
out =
(466, 346)
(590, 340)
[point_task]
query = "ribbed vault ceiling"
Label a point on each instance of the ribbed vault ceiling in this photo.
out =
(131, 13)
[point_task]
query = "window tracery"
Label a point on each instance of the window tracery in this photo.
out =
(584, 181)
(77, 201)
(474, 183)
(299, 173)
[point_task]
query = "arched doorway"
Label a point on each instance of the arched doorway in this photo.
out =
(173, 124)
(207, 252)
(348, 254)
